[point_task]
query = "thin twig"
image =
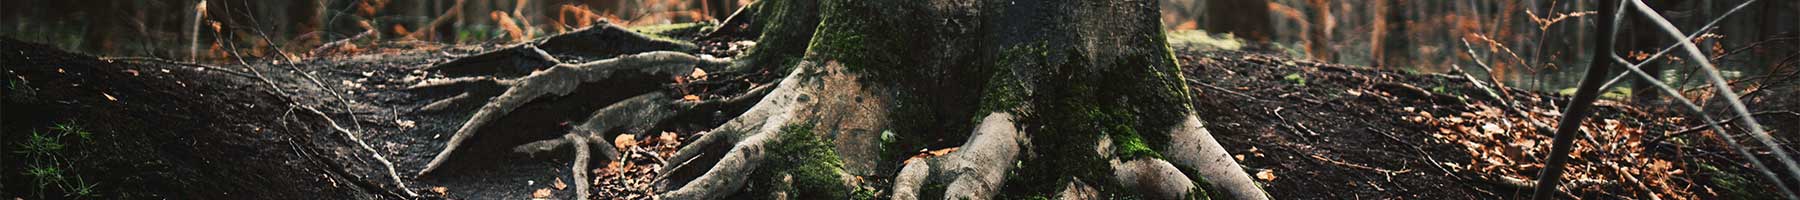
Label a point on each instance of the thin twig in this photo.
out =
(1214, 87)
(197, 66)
(665, 174)
(1504, 96)
(333, 123)
(1710, 123)
(1719, 83)
(1579, 108)
(395, 175)
(1690, 130)
(1671, 47)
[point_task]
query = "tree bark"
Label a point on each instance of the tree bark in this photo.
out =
(1048, 92)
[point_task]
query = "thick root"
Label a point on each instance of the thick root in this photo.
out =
(579, 170)
(735, 130)
(539, 148)
(1077, 190)
(637, 114)
(762, 123)
(1153, 178)
(563, 79)
(607, 40)
(1192, 146)
(976, 170)
(509, 62)
(912, 177)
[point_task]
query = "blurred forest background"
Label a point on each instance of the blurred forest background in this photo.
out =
(1531, 44)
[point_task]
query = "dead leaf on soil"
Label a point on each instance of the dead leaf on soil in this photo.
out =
(625, 141)
(559, 184)
(1266, 175)
(698, 74)
(441, 190)
(541, 193)
(668, 138)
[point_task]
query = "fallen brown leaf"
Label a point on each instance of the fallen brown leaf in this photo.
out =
(698, 74)
(1266, 175)
(667, 138)
(559, 184)
(541, 193)
(625, 141)
(941, 152)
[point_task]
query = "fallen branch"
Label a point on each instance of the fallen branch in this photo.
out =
(286, 96)
(1671, 47)
(1730, 96)
(365, 146)
(1227, 91)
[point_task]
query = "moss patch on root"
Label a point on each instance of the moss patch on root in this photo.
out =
(800, 165)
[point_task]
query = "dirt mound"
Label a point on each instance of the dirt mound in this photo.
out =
(1332, 131)
(81, 127)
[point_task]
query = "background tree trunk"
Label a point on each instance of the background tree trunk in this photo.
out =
(1246, 18)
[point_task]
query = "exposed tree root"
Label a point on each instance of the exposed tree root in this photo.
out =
(607, 40)
(563, 79)
(509, 62)
(821, 92)
(748, 135)
(1153, 178)
(975, 171)
(1192, 146)
(579, 170)
(740, 22)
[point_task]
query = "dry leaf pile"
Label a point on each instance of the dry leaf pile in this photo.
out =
(1610, 159)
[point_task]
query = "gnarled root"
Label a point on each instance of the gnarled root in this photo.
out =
(748, 134)
(1154, 178)
(564, 79)
(1192, 146)
(975, 171)
(509, 62)
(579, 170)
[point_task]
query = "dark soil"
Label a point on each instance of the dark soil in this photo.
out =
(1330, 131)
(164, 131)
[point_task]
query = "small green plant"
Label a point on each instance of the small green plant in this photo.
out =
(69, 128)
(1295, 78)
(48, 165)
(39, 144)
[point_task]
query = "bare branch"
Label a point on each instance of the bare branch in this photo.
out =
(1719, 83)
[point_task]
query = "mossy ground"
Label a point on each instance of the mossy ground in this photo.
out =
(801, 165)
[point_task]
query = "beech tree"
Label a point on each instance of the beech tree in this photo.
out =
(1052, 98)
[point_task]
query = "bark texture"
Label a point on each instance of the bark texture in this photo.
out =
(1058, 97)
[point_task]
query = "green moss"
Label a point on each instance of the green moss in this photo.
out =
(662, 32)
(1200, 40)
(1004, 90)
(808, 161)
(789, 27)
(1735, 185)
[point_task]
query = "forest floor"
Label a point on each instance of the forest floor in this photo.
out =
(1307, 130)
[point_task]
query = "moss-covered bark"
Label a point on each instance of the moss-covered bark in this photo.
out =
(1070, 90)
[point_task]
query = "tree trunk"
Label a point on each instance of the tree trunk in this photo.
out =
(1245, 18)
(1055, 95)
